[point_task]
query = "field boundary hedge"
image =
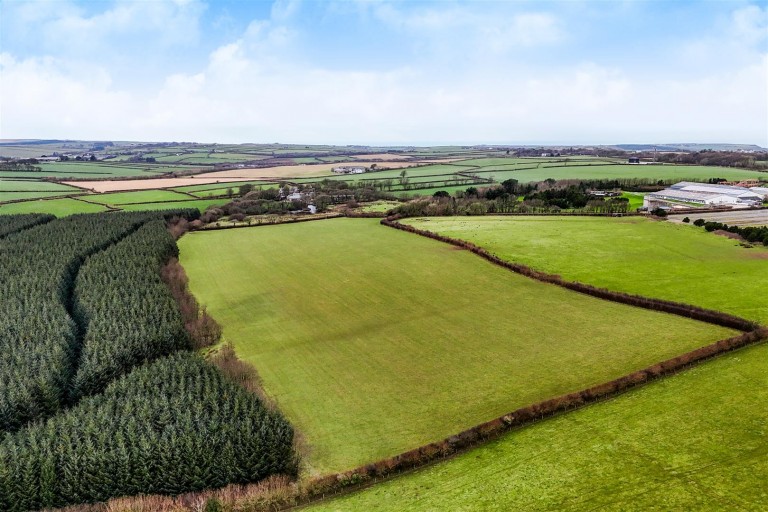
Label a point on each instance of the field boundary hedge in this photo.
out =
(237, 226)
(666, 306)
(283, 494)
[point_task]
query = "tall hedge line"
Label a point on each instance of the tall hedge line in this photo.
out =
(128, 312)
(12, 223)
(171, 426)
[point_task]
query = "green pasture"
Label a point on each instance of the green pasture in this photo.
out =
(379, 206)
(35, 186)
(693, 441)
(656, 259)
(14, 190)
(88, 170)
(221, 188)
(58, 207)
(200, 204)
(374, 341)
(139, 196)
(635, 199)
(23, 196)
(653, 172)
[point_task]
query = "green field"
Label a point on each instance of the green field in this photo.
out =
(58, 207)
(200, 204)
(635, 200)
(374, 341)
(140, 196)
(636, 255)
(14, 196)
(653, 172)
(35, 186)
(694, 441)
(379, 206)
(220, 189)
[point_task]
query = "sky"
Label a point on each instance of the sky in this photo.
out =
(383, 72)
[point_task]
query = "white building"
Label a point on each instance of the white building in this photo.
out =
(687, 194)
(349, 169)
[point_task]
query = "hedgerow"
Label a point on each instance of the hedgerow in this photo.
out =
(753, 234)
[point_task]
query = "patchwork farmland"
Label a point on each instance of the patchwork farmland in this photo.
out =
(282, 363)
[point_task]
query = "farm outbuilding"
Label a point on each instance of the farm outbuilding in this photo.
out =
(686, 194)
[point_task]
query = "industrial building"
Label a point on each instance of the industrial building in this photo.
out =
(687, 194)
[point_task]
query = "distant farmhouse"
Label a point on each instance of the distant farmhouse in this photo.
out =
(687, 194)
(349, 169)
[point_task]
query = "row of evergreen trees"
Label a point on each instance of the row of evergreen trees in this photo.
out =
(12, 223)
(128, 312)
(38, 338)
(171, 426)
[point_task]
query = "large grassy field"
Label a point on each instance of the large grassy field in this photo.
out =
(694, 441)
(200, 204)
(653, 172)
(656, 259)
(142, 196)
(374, 341)
(58, 207)
(7, 185)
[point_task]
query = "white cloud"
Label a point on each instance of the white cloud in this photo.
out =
(496, 28)
(249, 90)
(750, 24)
(237, 99)
(66, 30)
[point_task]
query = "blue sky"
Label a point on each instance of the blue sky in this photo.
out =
(385, 72)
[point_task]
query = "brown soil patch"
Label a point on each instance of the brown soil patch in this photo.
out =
(728, 234)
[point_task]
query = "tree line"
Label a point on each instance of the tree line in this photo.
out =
(753, 234)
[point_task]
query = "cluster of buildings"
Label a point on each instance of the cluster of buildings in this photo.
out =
(687, 194)
(349, 169)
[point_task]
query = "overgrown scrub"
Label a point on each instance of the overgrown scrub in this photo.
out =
(13, 223)
(172, 426)
(128, 312)
(201, 327)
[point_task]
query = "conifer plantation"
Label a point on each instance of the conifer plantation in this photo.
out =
(13, 223)
(98, 394)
